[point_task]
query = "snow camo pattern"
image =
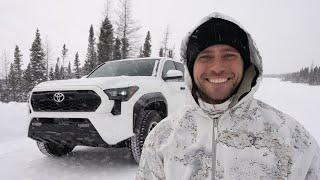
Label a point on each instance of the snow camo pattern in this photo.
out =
(254, 141)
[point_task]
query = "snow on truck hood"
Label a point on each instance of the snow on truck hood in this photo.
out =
(101, 82)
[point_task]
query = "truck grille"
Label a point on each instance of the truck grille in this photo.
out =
(72, 101)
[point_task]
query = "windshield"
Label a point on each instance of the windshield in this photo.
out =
(142, 67)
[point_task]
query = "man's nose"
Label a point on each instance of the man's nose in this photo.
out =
(216, 65)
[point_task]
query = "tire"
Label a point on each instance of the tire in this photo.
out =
(146, 121)
(52, 149)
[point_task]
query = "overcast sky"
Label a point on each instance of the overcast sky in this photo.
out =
(287, 32)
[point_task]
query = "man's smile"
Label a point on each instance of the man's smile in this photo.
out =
(217, 80)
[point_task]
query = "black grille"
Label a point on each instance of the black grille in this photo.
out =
(69, 131)
(74, 101)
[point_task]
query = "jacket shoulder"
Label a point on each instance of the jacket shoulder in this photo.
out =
(287, 126)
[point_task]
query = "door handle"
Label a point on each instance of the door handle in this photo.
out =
(182, 88)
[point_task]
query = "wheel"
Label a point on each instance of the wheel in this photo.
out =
(146, 121)
(52, 149)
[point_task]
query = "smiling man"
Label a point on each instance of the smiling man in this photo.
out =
(223, 132)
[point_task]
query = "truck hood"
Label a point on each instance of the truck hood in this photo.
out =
(101, 82)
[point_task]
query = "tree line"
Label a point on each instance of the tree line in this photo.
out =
(309, 75)
(115, 41)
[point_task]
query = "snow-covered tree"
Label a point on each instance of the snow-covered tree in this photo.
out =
(127, 28)
(76, 64)
(161, 52)
(57, 70)
(51, 74)
(91, 59)
(48, 54)
(64, 52)
(165, 42)
(117, 49)
(141, 55)
(37, 61)
(106, 41)
(27, 81)
(147, 46)
(69, 71)
(15, 77)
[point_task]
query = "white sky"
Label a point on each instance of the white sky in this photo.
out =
(287, 32)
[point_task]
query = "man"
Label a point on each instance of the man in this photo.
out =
(223, 132)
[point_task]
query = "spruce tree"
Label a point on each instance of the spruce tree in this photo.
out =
(106, 41)
(147, 46)
(61, 73)
(57, 70)
(117, 50)
(124, 47)
(12, 85)
(37, 61)
(69, 71)
(91, 58)
(76, 64)
(141, 55)
(170, 54)
(64, 52)
(27, 81)
(17, 75)
(51, 74)
(161, 52)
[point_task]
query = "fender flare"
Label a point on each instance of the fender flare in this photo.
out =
(145, 101)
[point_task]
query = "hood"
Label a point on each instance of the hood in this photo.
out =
(101, 82)
(252, 75)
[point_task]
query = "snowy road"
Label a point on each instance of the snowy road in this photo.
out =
(20, 158)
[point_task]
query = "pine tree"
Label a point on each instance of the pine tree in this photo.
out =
(27, 81)
(91, 59)
(17, 64)
(165, 42)
(15, 77)
(69, 75)
(141, 55)
(12, 85)
(117, 50)
(161, 52)
(61, 73)
(37, 61)
(76, 64)
(124, 47)
(51, 74)
(147, 46)
(106, 41)
(57, 70)
(64, 51)
(170, 54)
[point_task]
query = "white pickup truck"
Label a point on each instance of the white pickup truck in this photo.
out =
(116, 105)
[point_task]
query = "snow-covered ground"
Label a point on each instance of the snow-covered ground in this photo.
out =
(20, 158)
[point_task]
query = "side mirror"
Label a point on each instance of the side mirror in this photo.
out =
(173, 74)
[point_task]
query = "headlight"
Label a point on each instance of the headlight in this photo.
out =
(122, 94)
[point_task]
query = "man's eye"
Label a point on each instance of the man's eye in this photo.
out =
(229, 56)
(204, 57)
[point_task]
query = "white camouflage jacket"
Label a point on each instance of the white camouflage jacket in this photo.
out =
(248, 140)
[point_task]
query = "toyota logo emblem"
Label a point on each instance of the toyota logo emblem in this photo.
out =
(58, 97)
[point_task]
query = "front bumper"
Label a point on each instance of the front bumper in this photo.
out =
(111, 128)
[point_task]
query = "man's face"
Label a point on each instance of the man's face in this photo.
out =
(217, 72)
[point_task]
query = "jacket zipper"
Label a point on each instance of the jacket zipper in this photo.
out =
(214, 147)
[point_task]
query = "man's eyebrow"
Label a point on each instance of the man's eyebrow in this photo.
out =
(228, 49)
